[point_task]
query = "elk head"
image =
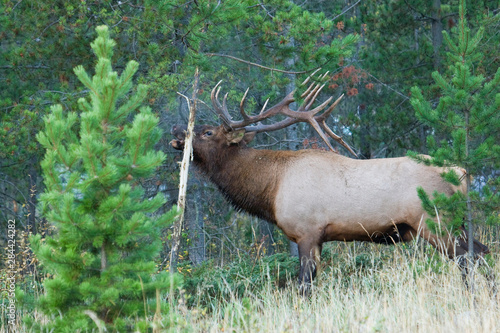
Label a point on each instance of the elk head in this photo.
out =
(211, 136)
(210, 141)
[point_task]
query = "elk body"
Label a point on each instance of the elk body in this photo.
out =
(318, 196)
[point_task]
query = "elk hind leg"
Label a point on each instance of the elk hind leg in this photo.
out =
(464, 264)
(456, 248)
(480, 250)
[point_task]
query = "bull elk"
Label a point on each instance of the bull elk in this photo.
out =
(317, 196)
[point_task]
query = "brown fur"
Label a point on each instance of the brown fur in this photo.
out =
(316, 196)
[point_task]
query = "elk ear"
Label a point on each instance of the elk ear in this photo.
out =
(249, 136)
(235, 136)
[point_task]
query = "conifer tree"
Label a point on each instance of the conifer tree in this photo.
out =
(467, 118)
(101, 255)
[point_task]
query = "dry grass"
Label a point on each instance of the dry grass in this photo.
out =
(363, 288)
(403, 294)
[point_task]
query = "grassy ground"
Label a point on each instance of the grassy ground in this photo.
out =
(365, 288)
(362, 288)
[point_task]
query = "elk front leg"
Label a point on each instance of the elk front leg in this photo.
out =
(309, 255)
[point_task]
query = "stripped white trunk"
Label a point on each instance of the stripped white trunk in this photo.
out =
(183, 176)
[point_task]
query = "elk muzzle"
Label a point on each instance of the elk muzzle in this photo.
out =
(179, 132)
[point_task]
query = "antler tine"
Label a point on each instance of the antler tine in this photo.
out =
(309, 77)
(221, 110)
(315, 95)
(322, 134)
(327, 113)
(264, 107)
(224, 107)
(311, 97)
(321, 119)
(337, 138)
(313, 84)
(319, 108)
(242, 103)
(214, 96)
(308, 90)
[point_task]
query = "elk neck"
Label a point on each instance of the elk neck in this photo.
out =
(247, 177)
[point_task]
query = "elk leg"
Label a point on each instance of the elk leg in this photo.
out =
(446, 245)
(492, 280)
(309, 255)
(479, 251)
(489, 274)
(464, 270)
(457, 248)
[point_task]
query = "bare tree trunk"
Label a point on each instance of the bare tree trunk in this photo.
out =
(266, 231)
(188, 150)
(195, 224)
(291, 131)
(363, 109)
(470, 226)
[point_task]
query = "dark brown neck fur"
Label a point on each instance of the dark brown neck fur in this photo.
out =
(248, 178)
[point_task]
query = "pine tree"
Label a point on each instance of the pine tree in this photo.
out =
(467, 118)
(101, 255)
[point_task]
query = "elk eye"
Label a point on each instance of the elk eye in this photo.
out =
(208, 133)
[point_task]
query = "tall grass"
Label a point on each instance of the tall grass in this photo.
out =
(364, 288)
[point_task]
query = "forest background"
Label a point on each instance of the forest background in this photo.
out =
(375, 52)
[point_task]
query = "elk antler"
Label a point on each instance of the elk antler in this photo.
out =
(303, 114)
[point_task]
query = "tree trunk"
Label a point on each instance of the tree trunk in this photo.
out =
(291, 131)
(104, 257)
(363, 113)
(364, 141)
(437, 33)
(32, 198)
(195, 225)
(186, 158)
(470, 226)
(266, 232)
